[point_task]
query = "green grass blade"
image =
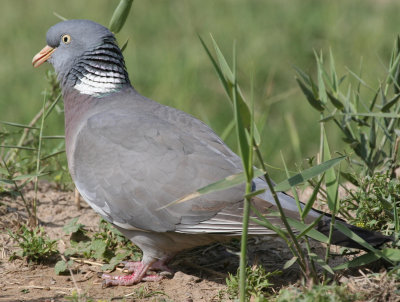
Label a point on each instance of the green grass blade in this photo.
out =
(331, 181)
(251, 135)
(262, 220)
(335, 101)
(18, 125)
(296, 196)
(321, 84)
(290, 262)
(392, 70)
(310, 227)
(228, 130)
(119, 16)
(329, 117)
(52, 154)
(359, 261)
(226, 183)
(216, 67)
(374, 114)
(390, 103)
(242, 137)
(321, 263)
(307, 174)
(230, 79)
(334, 78)
(359, 79)
(372, 106)
(396, 223)
(372, 135)
(17, 147)
(52, 105)
(294, 135)
(314, 102)
(255, 193)
(346, 231)
(392, 254)
(225, 76)
(54, 137)
(306, 78)
(301, 227)
(62, 18)
(256, 135)
(269, 225)
(38, 162)
(226, 71)
(308, 206)
(125, 45)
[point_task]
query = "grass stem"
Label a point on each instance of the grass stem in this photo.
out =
(34, 203)
(243, 245)
(301, 258)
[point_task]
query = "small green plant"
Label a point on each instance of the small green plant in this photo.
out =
(143, 292)
(107, 244)
(258, 283)
(368, 120)
(77, 297)
(74, 228)
(35, 245)
(318, 293)
(374, 202)
(26, 154)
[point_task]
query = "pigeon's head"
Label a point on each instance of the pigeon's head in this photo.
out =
(85, 56)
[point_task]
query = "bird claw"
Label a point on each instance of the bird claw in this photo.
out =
(119, 280)
(127, 280)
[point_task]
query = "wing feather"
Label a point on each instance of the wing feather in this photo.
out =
(145, 160)
(129, 163)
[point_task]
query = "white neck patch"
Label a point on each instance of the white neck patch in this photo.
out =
(96, 85)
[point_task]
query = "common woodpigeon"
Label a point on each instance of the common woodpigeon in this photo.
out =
(129, 156)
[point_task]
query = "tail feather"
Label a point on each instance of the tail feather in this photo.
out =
(375, 239)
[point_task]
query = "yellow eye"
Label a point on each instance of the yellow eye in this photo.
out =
(66, 39)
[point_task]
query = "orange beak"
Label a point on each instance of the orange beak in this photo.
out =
(42, 56)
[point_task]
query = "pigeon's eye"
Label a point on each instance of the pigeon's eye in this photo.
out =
(66, 39)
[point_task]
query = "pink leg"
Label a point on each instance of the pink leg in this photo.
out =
(131, 266)
(159, 265)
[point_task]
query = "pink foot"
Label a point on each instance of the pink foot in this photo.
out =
(139, 272)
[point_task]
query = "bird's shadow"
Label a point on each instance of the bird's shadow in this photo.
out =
(215, 262)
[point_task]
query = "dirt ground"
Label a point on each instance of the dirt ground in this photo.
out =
(199, 274)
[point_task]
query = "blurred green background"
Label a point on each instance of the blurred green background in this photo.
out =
(167, 63)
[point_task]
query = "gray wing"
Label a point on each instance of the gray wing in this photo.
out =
(129, 164)
(228, 221)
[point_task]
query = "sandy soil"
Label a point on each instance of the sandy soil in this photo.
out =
(199, 274)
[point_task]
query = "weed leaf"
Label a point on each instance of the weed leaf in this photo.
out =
(307, 174)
